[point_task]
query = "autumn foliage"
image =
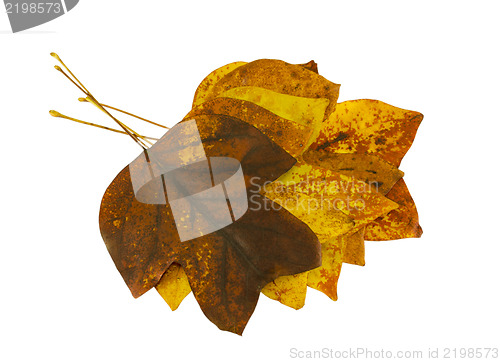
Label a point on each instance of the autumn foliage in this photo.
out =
(320, 177)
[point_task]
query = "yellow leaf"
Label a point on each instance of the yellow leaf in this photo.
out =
(324, 221)
(330, 203)
(369, 126)
(174, 286)
(205, 88)
(289, 290)
(399, 223)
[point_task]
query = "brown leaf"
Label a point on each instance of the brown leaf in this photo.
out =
(258, 248)
(228, 267)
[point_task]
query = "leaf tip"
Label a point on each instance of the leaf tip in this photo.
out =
(419, 231)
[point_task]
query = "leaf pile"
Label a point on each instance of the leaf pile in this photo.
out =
(320, 178)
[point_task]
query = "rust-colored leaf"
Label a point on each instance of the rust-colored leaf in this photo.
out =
(369, 126)
(399, 223)
(226, 268)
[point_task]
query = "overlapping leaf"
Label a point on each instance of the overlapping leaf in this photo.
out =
(370, 127)
(346, 187)
(290, 116)
(227, 268)
(291, 290)
(329, 202)
(295, 93)
(336, 207)
(364, 140)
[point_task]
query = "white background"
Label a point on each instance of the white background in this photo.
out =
(62, 298)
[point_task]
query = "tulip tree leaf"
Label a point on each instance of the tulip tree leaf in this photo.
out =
(280, 77)
(205, 88)
(227, 268)
(369, 126)
(229, 292)
(337, 208)
(330, 203)
(319, 178)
